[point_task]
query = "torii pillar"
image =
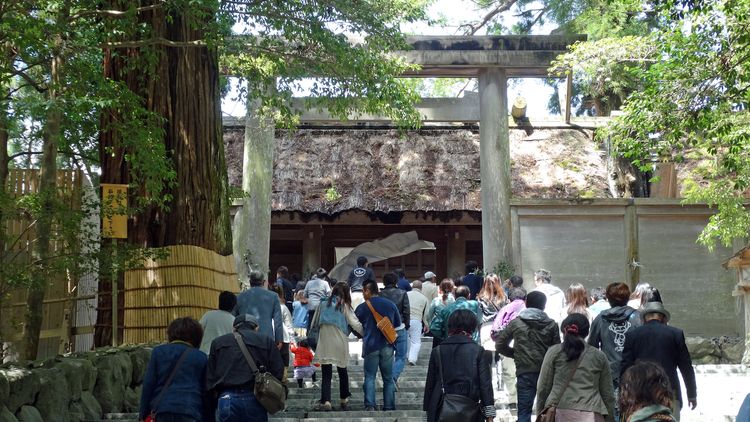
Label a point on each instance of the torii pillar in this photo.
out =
(494, 160)
(491, 59)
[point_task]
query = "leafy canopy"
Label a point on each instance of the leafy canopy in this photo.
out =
(345, 45)
(693, 106)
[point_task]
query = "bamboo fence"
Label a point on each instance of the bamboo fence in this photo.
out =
(186, 283)
(58, 307)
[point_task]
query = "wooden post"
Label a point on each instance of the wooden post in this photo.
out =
(115, 288)
(311, 249)
(568, 96)
(632, 265)
(494, 161)
(456, 250)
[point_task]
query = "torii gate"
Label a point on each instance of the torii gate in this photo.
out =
(491, 59)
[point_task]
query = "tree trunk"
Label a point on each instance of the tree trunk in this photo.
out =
(252, 235)
(4, 136)
(47, 196)
(184, 90)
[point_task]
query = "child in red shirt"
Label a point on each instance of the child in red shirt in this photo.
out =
(303, 366)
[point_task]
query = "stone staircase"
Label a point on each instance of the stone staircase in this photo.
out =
(301, 401)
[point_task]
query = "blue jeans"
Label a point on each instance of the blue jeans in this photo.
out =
(382, 359)
(402, 346)
(526, 390)
(240, 406)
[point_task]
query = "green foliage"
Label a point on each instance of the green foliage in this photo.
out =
(345, 43)
(332, 195)
(693, 102)
(504, 270)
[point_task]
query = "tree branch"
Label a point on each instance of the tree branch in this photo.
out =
(154, 41)
(114, 13)
(21, 154)
(29, 80)
(504, 6)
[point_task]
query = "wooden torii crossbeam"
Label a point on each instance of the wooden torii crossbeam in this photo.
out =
(492, 60)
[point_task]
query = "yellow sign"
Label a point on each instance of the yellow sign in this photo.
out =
(114, 220)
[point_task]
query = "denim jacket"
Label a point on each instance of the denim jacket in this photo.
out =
(329, 315)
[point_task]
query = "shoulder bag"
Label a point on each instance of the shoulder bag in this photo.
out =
(384, 325)
(152, 416)
(314, 332)
(548, 414)
(268, 390)
(455, 407)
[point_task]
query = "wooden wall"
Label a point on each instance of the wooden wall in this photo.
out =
(595, 242)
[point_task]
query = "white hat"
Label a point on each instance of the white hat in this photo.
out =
(429, 275)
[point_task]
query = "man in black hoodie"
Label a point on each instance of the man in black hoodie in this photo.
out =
(398, 297)
(532, 333)
(609, 328)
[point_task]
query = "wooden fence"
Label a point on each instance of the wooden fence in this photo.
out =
(60, 301)
(186, 283)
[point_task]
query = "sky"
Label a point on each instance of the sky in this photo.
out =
(453, 12)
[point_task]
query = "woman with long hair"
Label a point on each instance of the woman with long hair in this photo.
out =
(460, 366)
(185, 398)
(445, 297)
(491, 298)
(646, 394)
(636, 298)
(575, 377)
(578, 300)
(335, 316)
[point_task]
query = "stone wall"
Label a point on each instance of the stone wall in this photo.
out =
(84, 387)
(715, 350)
(73, 388)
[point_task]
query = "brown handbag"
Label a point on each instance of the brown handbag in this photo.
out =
(385, 325)
(548, 413)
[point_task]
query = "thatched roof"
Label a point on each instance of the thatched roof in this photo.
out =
(425, 170)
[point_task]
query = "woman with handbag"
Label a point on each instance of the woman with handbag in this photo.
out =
(335, 316)
(174, 384)
(459, 379)
(575, 384)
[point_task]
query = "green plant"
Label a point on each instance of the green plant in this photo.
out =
(332, 195)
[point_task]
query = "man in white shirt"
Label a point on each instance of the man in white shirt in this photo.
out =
(219, 322)
(555, 308)
(430, 287)
(417, 307)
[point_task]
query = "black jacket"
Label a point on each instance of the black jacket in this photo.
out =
(665, 345)
(466, 371)
(358, 277)
(608, 334)
(228, 368)
(399, 297)
(288, 288)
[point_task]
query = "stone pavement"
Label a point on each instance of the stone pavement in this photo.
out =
(721, 389)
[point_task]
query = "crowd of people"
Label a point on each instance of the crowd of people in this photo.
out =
(600, 355)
